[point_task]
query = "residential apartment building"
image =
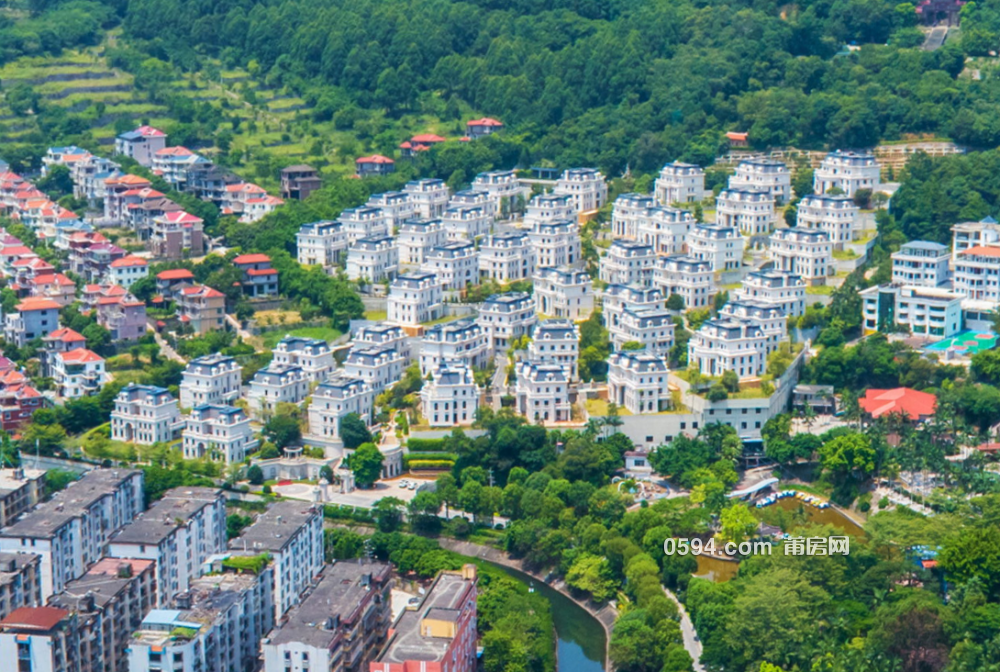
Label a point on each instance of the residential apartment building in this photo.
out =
(218, 433)
(927, 311)
(728, 345)
(292, 533)
(464, 341)
(40, 639)
(837, 215)
(804, 252)
(322, 243)
(141, 144)
(276, 384)
(556, 342)
(178, 533)
(690, 278)
(429, 197)
(586, 187)
(108, 604)
(763, 175)
(556, 244)
(211, 379)
(20, 581)
(921, 262)
(977, 274)
(339, 626)
(415, 298)
(506, 257)
(627, 262)
(638, 382)
(32, 318)
(964, 235)
(450, 397)
(785, 290)
(340, 395)
(563, 292)
(506, 317)
(145, 415)
(721, 246)
(379, 367)
(313, 355)
(542, 392)
(437, 634)
(217, 625)
(201, 307)
(750, 211)
(680, 183)
(70, 530)
(373, 259)
(78, 373)
(847, 172)
(652, 328)
(456, 264)
(20, 490)
(417, 237)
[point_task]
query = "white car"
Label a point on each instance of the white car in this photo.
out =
(402, 484)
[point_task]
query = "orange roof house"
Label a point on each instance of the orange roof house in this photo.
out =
(911, 404)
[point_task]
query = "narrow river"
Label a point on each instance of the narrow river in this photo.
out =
(580, 638)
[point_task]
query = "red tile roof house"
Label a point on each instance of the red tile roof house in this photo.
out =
(46, 637)
(56, 286)
(480, 128)
(18, 401)
(259, 279)
(419, 143)
(61, 340)
(175, 234)
(911, 405)
(201, 307)
(376, 164)
(170, 283)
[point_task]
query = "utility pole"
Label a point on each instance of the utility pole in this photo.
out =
(491, 477)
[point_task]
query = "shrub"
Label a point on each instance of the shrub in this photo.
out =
(883, 503)
(425, 445)
(431, 464)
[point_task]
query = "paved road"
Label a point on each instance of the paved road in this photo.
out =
(497, 384)
(165, 349)
(240, 331)
(691, 642)
(935, 38)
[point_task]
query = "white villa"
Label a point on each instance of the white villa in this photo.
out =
(922, 263)
(848, 172)
(322, 243)
(506, 317)
(786, 290)
(275, 384)
(373, 259)
(429, 197)
(728, 345)
(548, 208)
(587, 188)
(382, 335)
(617, 298)
(564, 292)
(379, 367)
(542, 392)
(417, 237)
(652, 328)
(451, 396)
(218, 433)
(772, 321)
(837, 215)
(145, 415)
(627, 262)
(665, 229)
(396, 207)
(638, 381)
(456, 264)
(313, 355)
(462, 341)
(763, 175)
(339, 395)
(556, 342)
(752, 212)
(721, 246)
(363, 222)
(680, 183)
(467, 222)
(415, 298)
(504, 189)
(805, 252)
(506, 257)
(556, 244)
(690, 278)
(213, 379)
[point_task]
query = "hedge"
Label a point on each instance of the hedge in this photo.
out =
(428, 445)
(432, 456)
(431, 464)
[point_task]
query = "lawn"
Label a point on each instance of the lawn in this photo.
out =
(820, 290)
(271, 338)
(845, 255)
(599, 408)
(442, 320)
(376, 315)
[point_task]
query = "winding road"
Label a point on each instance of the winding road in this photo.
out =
(691, 642)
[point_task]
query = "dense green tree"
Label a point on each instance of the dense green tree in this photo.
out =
(366, 464)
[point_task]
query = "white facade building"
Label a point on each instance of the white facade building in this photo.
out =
(637, 381)
(665, 229)
(396, 207)
(543, 392)
(456, 264)
(837, 215)
(690, 278)
(977, 274)
(556, 342)
(752, 212)
(450, 397)
(379, 367)
(766, 175)
(220, 433)
(628, 212)
(929, 311)
(78, 373)
(564, 292)
(313, 355)
(212, 379)
(463, 341)
(179, 532)
(417, 237)
(805, 252)
(770, 318)
(382, 335)
(505, 191)
(467, 222)
(340, 395)
(556, 244)
(847, 171)
(145, 415)
(587, 187)
(373, 259)
(922, 263)
(363, 222)
(627, 263)
(972, 234)
(548, 208)
(415, 298)
(680, 183)
(276, 384)
(617, 298)
(506, 317)
(721, 246)
(728, 345)
(506, 257)
(429, 197)
(653, 328)
(322, 243)
(785, 290)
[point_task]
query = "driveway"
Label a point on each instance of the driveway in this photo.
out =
(691, 642)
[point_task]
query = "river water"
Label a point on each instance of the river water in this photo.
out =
(580, 638)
